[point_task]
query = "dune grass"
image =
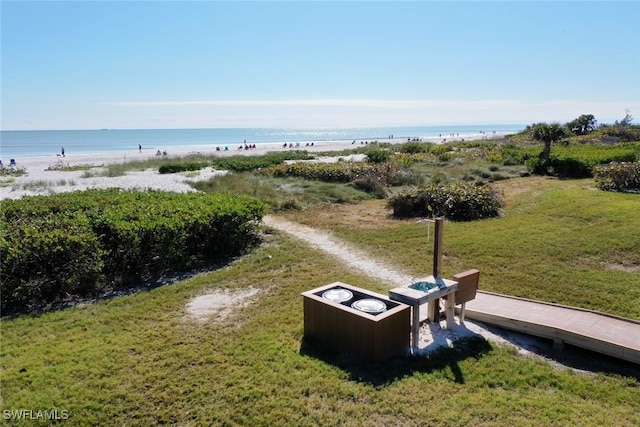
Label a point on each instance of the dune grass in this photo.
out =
(283, 193)
(134, 360)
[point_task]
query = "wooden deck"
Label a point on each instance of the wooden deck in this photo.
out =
(606, 334)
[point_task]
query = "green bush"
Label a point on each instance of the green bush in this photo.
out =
(457, 202)
(378, 155)
(182, 167)
(372, 186)
(618, 176)
(76, 244)
(414, 147)
(49, 257)
(335, 172)
(242, 163)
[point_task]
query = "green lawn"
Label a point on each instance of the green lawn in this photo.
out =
(559, 241)
(134, 360)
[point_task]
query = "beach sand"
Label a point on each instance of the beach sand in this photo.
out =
(42, 178)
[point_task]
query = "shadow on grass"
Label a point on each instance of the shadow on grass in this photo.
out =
(571, 356)
(109, 293)
(382, 374)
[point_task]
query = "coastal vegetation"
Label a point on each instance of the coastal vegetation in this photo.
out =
(417, 180)
(136, 359)
(82, 244)
(618, 176)
(456, 202)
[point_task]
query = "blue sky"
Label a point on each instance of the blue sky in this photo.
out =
(155, 64)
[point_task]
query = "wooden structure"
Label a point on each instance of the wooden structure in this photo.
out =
(467, 289)
(416, 297)
(602, 333)
(374, 338)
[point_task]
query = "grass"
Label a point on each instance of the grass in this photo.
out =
(283, 193)
(467, 169)
(133, 360)
(44, 185)
(558, 240)
(12, 171)
(66, 168)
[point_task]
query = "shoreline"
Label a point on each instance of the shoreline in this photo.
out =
(39, 181)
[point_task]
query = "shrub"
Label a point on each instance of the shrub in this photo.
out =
(53, 255)
(182, 167)
(622, 132)
(378, 155)
(69, 244)
(445, 157)
(414, 148)
(242, 163)
(457, 202)
(371, 186)
(618, 176)
(335, 172)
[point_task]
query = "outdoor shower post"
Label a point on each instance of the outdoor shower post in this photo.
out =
(433, 309)
(437, 248)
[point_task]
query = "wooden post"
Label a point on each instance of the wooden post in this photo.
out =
(437, 249)
(433, 313)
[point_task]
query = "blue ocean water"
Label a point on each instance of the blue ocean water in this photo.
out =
(17, 144)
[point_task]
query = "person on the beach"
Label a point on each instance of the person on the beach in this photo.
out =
(140, 148)
(62, 151)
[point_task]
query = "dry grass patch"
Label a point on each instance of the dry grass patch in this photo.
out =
(219, 304)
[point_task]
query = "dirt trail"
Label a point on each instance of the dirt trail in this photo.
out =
(351, 256)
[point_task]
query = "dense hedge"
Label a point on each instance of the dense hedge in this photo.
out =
(81, 243)
(182, 167)
(618, 177)
(457, 202)
(386, 173)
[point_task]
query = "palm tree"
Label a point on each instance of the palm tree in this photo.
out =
(547, 133)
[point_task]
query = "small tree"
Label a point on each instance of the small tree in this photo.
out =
(549, 134)
(583, 124)
(626, 121)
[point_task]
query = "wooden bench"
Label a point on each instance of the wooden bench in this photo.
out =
(467, 289)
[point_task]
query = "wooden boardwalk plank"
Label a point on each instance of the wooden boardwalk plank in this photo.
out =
(598, 332)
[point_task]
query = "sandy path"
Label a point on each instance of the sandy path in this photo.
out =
(353, 257)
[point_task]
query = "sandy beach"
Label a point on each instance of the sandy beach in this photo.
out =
(42, 176)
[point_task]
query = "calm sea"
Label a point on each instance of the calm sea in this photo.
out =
(17, 144)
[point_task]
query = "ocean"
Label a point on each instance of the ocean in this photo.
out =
(20, 144)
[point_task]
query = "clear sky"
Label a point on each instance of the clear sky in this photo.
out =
(158, 64)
